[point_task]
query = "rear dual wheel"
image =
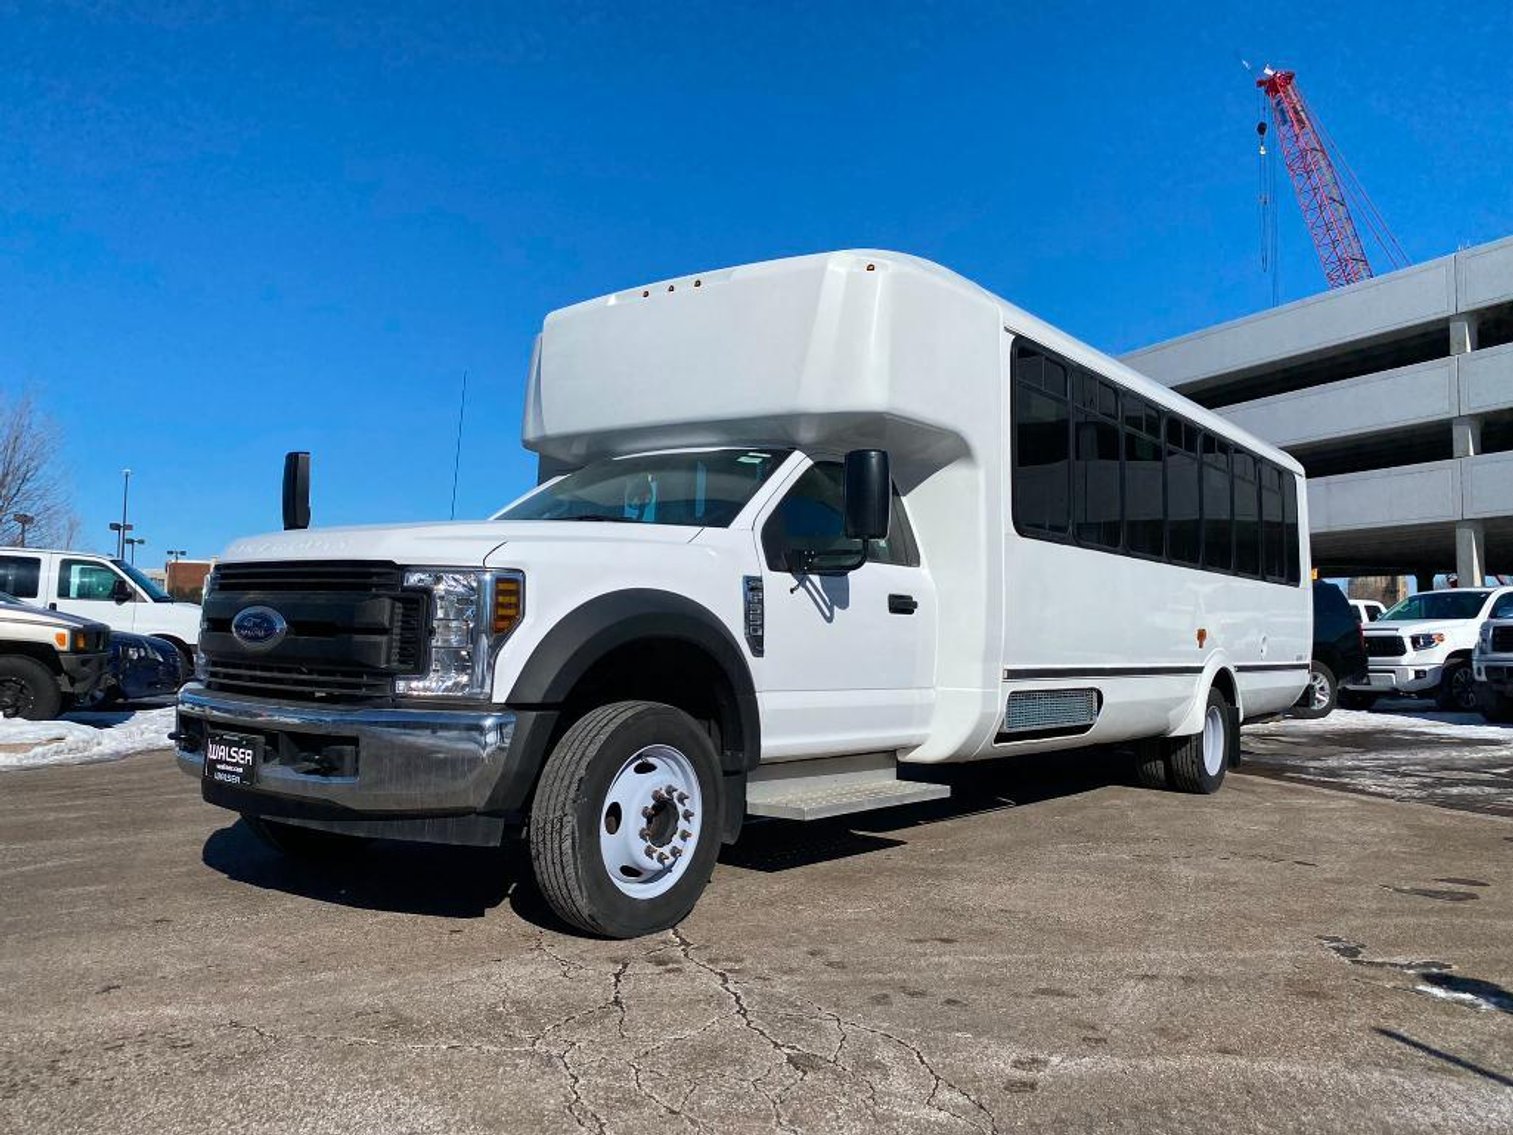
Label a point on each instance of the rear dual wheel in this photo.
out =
(1196, 763)
(625, 828)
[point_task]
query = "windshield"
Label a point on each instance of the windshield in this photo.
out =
(696, 490)
(154, 592)
(1437, 605)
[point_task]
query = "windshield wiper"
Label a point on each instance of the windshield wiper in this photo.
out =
(601, 519)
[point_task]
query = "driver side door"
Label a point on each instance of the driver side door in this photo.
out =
(849, 659)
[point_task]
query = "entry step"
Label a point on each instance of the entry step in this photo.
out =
(833, 786)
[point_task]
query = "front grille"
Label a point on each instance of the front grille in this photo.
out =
(303, 682)
(351, 628)
(1502, 640)
(1385, 646)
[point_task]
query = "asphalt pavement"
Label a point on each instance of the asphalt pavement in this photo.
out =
(1052, 949)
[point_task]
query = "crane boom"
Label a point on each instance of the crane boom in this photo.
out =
(1320, 192)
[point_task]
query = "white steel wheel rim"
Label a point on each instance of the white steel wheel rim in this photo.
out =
(1318, 690)
(1213, 740)
(649, 821)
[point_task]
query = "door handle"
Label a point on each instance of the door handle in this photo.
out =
(902, 604)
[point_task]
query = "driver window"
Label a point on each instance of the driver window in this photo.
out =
(84, 579)
(812, 517)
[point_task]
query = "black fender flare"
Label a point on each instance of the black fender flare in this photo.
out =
(586, 635)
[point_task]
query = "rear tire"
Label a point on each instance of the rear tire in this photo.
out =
(613, 852)
(1197, 764)
(1321, 694)
(1355, 699)
(1457, 687)
(308, 845)
(28, 690)
(1150, 763)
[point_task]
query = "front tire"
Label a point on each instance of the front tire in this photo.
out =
(1457, 687)
(624, 831)
(28, 690)
(1320, 695)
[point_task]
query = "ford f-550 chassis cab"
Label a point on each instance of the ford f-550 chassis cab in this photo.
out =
(799, 522)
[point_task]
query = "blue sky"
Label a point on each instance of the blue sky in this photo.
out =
(231, 230)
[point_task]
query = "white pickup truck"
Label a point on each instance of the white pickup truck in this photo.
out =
(1422, 647)
(801, 524)
(1492, 661)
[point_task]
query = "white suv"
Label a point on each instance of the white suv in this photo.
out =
(1492, 662)
(1422, 648)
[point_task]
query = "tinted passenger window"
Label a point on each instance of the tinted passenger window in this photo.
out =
(1273, 531)
(1183, 534)
(1144, 501)
(1502, 609)
(1042, 460)
(19, 575)
(1218, 540)
(1097, 495)
(1247, 515)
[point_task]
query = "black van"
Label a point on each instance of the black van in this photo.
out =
(1339, 651)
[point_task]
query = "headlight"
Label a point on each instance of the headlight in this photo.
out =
(201, 667)
(471, 613)
(1425, 641)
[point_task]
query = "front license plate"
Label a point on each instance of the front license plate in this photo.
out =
(232, 758)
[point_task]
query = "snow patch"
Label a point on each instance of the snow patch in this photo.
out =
(1459, 726)
(83, 738)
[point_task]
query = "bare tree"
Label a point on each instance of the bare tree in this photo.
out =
(31, 478)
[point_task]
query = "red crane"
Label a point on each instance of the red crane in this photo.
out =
(1325, 197)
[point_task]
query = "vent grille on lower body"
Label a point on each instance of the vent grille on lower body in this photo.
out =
(1050, 711)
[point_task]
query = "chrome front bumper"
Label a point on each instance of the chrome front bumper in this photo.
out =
(393, 762)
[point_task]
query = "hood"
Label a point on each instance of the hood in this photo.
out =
(41, 616)
(460, 543)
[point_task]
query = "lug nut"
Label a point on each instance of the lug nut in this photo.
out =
(647, 813)
(651, 852)
(685, 834)
(682, 798)
(644, 834)
(662, 859)
(671, 790)
(687, 814)
(658, 795)
(675, 852)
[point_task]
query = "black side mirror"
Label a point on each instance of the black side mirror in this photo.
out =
(868, 494)
(121, 592)
(296, 490)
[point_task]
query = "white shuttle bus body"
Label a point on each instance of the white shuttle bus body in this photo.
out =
(799, 522)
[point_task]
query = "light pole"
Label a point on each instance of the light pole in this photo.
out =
(125, 489)
(177, 554)
(120, 530)
(24, 519)
(135, 542)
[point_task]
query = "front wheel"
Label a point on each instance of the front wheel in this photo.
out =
(1319, 696)
(624, 831)
(28, 690)
(1457, 687)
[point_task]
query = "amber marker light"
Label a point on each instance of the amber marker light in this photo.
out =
(61, 638)
(81, 640)
(509, 603)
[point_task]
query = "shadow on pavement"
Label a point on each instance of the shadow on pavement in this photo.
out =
(985, 786)
(1447, 1057)
(407, 878)
(467, 882)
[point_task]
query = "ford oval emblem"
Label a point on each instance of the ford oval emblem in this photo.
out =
(259, 628)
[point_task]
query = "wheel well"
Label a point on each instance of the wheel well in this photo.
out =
(672, 671)
(1224, 682)
(1458, 656)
